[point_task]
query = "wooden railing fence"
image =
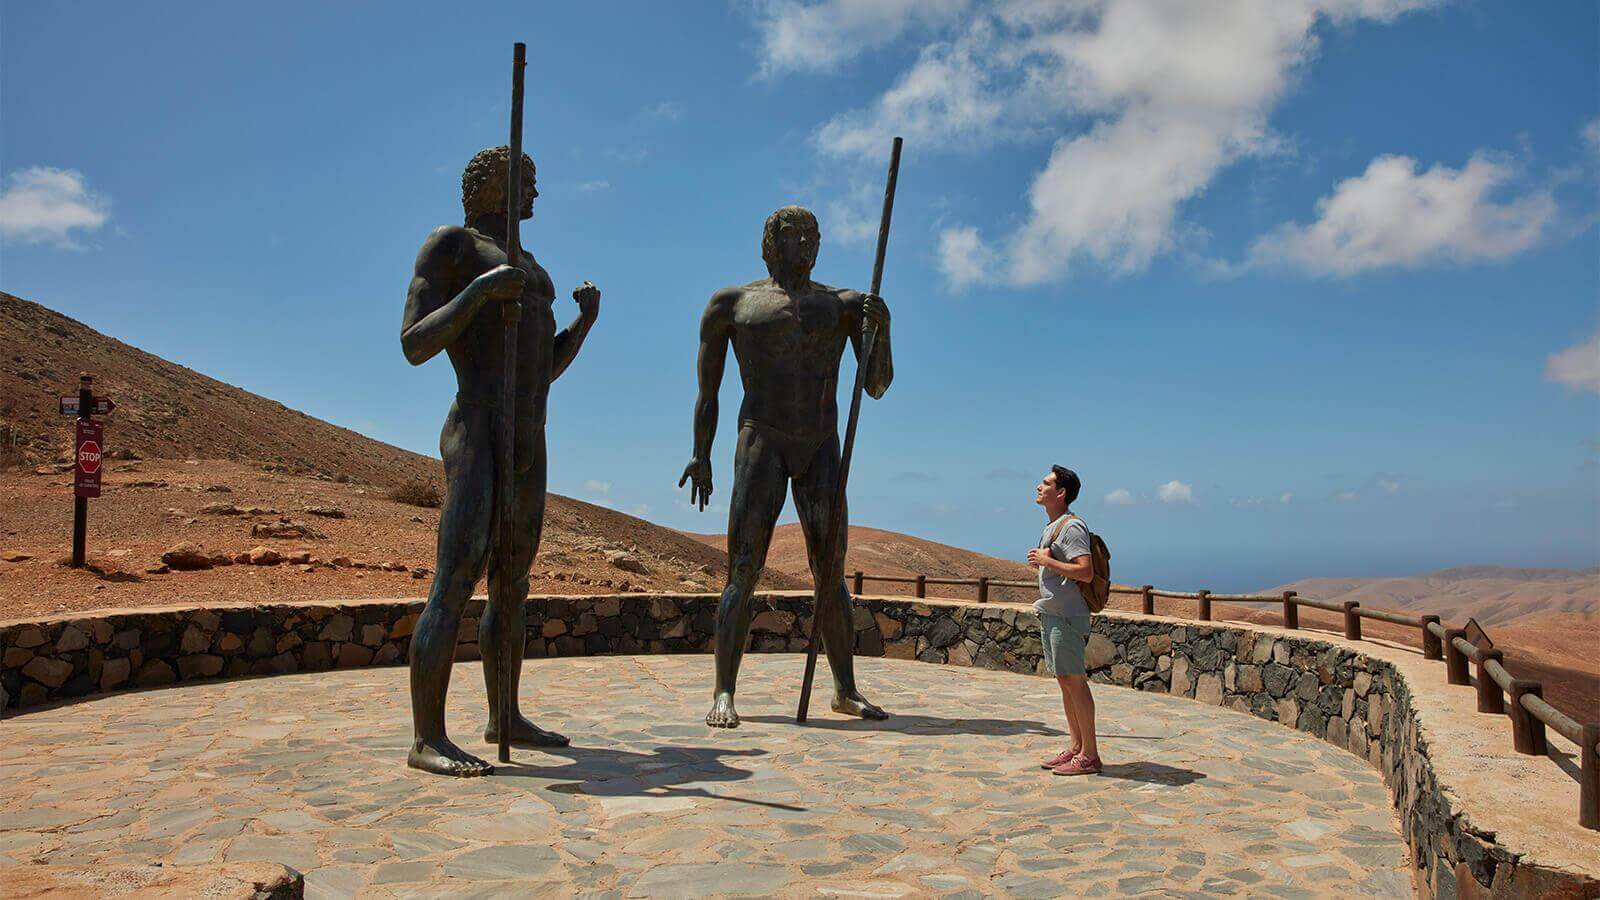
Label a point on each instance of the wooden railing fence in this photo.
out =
(1498, 692)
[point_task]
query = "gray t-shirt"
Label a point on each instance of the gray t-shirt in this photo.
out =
(1060, 596)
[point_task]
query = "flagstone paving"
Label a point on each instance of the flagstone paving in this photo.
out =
(944, 799)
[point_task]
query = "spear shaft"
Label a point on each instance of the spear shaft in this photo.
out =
(869, 339)
(511, 313)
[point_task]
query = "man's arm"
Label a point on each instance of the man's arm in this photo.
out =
(570, 340)
(716, 330)
(880, 370)
(432, 320)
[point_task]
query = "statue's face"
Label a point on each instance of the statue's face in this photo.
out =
(492, 197)
(797, 246)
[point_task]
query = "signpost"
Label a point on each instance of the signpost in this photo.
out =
(89, 447)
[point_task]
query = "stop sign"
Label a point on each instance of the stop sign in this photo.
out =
(89, 457)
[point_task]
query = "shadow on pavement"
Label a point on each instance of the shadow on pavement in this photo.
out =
(917, 724)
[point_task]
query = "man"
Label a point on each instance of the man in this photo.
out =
(454, 304)
(1063, 559)
(788, 333)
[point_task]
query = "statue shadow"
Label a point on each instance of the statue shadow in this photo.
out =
(1152, 773)
(912, 723)
(603, 772)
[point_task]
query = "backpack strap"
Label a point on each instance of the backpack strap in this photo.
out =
(1063, 522)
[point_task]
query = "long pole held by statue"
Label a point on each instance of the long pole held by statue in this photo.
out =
(868, 339)
(511, 312)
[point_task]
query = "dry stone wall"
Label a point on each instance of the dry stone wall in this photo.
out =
(1357, 702)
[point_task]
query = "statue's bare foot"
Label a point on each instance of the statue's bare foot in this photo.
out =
(442, 757)
(722, 713)
(853, 704)
(526, 734)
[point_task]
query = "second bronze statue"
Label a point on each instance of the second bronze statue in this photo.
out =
(788, 334)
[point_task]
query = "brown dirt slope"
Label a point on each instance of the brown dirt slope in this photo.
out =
(879, 552)
(1494, 595)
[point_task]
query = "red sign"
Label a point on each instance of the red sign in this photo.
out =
(86, 480)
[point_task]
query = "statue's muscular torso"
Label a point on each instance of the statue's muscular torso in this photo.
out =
(788, 347)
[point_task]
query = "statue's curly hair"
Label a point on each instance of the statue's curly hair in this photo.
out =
(793, 215)
(485, 166)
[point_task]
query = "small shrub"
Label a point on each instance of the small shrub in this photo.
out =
(418, 493)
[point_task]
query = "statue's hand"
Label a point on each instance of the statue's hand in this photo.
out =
(875, 312)
(501, 282)
(699, 473)
(588, 297)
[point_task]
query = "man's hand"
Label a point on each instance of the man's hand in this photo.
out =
(502, 283)
(699, 472)
(1039, 559)
(875, 312)
(588, 297)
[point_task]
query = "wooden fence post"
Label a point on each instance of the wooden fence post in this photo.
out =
(1291, 610)
(922, 585)
(983, 589)
(1455, 662)
(1431, 647)
(1527, 731)
(1490, 700)
(1589, 778)
(860, 577)
(1205, 606)
(1147, 600)
(1352, 621)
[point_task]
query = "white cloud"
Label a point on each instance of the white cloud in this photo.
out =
(1286, 498)
(598, 185)
(1147, 100)
(41, 205)
(799, 36)
(1346, 497)
(963, 257)
(1394, 215)
(1175, 491)
(1120, 497)
(1389, 485)
(666, 111)
(1577, 367)
(596, 486)
(1591, 134)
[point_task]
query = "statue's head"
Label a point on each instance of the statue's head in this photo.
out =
(483, 184)
(789, 244)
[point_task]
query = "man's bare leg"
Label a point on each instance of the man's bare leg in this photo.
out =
(463, 547)
(1082, 705)
(508, 609)
(759, 480)
(813, 500)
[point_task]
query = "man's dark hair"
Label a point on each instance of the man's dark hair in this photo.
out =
(1067, 480)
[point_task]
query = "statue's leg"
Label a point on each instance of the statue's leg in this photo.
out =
(468, 450)
(814, 495)
(508, 601)
(759, 478)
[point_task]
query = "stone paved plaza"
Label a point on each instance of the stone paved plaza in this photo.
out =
(943, 800)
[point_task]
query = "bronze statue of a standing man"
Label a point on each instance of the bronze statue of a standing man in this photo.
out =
(460, 270)
(788, 333)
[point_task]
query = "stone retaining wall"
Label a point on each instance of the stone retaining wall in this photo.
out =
(1357, 702)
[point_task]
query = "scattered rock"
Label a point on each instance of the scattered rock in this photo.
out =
(221, 509)
(263, 556)
(285, 528)
(157, 570)
(146, 483)
(327, 512)
(186, 557)
(15, 556)
(221, 559)
(300, 557)
(627, 562)
(218, 489)
(342, 562)
(418, 519)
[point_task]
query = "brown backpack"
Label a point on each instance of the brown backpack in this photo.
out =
(1097, 590)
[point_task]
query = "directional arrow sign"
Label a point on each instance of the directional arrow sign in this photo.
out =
(102, 406)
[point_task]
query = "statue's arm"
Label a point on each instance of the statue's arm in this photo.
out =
(716, 330)
(433, 319)
(570, 340)
(880, 369)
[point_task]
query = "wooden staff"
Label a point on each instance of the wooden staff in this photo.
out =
(511, 313)
(869, 339)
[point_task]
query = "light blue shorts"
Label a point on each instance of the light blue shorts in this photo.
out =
(1064, 639)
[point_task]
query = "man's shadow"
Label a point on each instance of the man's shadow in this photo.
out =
(603, 772)
(911, 723)
(1152, 773)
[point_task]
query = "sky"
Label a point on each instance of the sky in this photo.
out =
(1298, 287)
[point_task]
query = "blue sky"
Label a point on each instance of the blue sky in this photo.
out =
(1300, 287)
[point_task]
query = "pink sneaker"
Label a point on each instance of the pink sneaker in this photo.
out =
(1059, 759)
(1079, 765)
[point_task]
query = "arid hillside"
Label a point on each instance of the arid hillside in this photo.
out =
(1494, 595)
